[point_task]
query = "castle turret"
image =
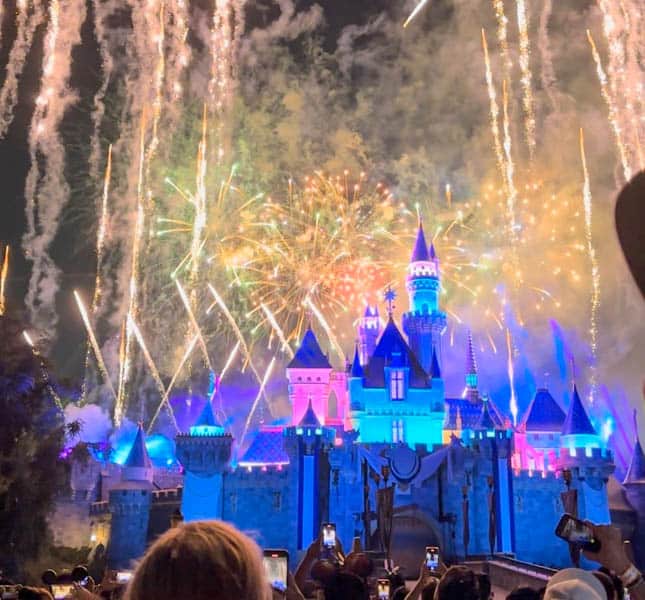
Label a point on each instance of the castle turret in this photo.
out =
(129, 506)
(577, 431)
(472, 393)
(369, 329)
(307, 445)
(634, 485)
(424, 323)
(205, 454)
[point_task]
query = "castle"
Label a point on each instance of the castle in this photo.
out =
(378, 449)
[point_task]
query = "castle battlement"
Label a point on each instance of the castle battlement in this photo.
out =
(169, 495)
(99, 508)
(532, 475)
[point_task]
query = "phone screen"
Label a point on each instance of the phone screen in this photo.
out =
(432, 558)
(276, 567)
(329, 535)
(123, 576)
(383, 589)
(575, 531)
(61, 592)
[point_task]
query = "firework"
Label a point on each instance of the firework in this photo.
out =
(278, 330)
(511, 376)
(50, 389)
(595, 273)
(3, 280)
(258, 397)
(193, 322)
(527, 86)
(415, 12)
(502, 37)
(494, 108)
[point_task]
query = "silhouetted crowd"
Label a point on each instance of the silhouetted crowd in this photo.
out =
(211, 560)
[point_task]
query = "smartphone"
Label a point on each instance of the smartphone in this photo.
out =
(329, 535)
(276, 567)
(60, 592)
(432, 558)
(123, 576)
(577, 532)
(383, 589)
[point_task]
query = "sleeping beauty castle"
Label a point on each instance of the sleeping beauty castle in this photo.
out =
(379, 449)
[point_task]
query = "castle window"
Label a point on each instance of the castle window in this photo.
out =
(277, 501)
(232, 502)
(398, 434)
(397, 385)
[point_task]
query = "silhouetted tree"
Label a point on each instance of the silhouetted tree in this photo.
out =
(32, 434)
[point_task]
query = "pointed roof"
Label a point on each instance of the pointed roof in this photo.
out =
(207, 417)
(420, 251)
(357, 369)
(309, 355)
(636, 470)
(433, 254)
(310, 418)
(435, 370)
(471, 363)
(544, 413)
(577, 420)
(138, 456)
(393, 350)
(486, 421)
(371, 311)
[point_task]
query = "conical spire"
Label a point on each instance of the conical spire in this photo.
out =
(471, 363)
(138, 456)
(433, 254)
(207, 417)
(486, 421)
(310, 418)
(636, 470)
(435, 370)
(310, 354)
(420, 251)
(357, 369)
(577, 421)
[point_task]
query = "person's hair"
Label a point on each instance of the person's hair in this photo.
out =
(524, 592)
(485, 586)
(607, 583)
(428, 591)
(400, 593)
(202, 560)
(458, 583)
(346, 586)
(32, 593)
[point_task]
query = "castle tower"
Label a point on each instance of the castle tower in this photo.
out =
(204, 453)
(424, 323)
(369, 329)
(634, 485)
(590, 464)
(472, 393)
(129, 505)
(355, 379)
(307, 445)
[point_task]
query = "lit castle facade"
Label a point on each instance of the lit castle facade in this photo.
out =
(379, 449)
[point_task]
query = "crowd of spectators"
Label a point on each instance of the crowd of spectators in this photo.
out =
(211, 560)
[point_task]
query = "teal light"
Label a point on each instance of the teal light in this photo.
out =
(471, 380)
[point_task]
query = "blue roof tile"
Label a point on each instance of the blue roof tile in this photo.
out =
(577, 421)
(544, 413)
(267, 448)
(309, 355)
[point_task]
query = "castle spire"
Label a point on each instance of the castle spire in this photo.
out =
(357, 369)
(471, 371)
(138, 456)
(420, 251)
(636, 470)
(577, 421)
(435, 369)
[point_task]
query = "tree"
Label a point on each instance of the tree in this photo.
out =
(32, 434)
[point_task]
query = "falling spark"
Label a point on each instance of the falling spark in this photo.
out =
(95, 346)
(153, 369)
(193, 322)
(547, 74)
(502, 37)
(494, 108)
(133, 303)
(229, 360)
(3, 281)
(43, 369)
(415, 12)
(448, 195)
(511, 377)
(274, 323)
(611, 106)
(164, 400)
(595, 273)
(330, 334)
(525, 79)
(259, 395)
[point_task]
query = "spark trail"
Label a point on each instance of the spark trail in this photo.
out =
(43, 370)
(595, 273)
(494, 109)
(193, 322)
(258, 397)
(28, 19)
(511, 376)
(276, 327)
(611, 106)
(502, 37)
(511, 191)
(3, 281)
(526, 78)
(92, 339)
(415, 12)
